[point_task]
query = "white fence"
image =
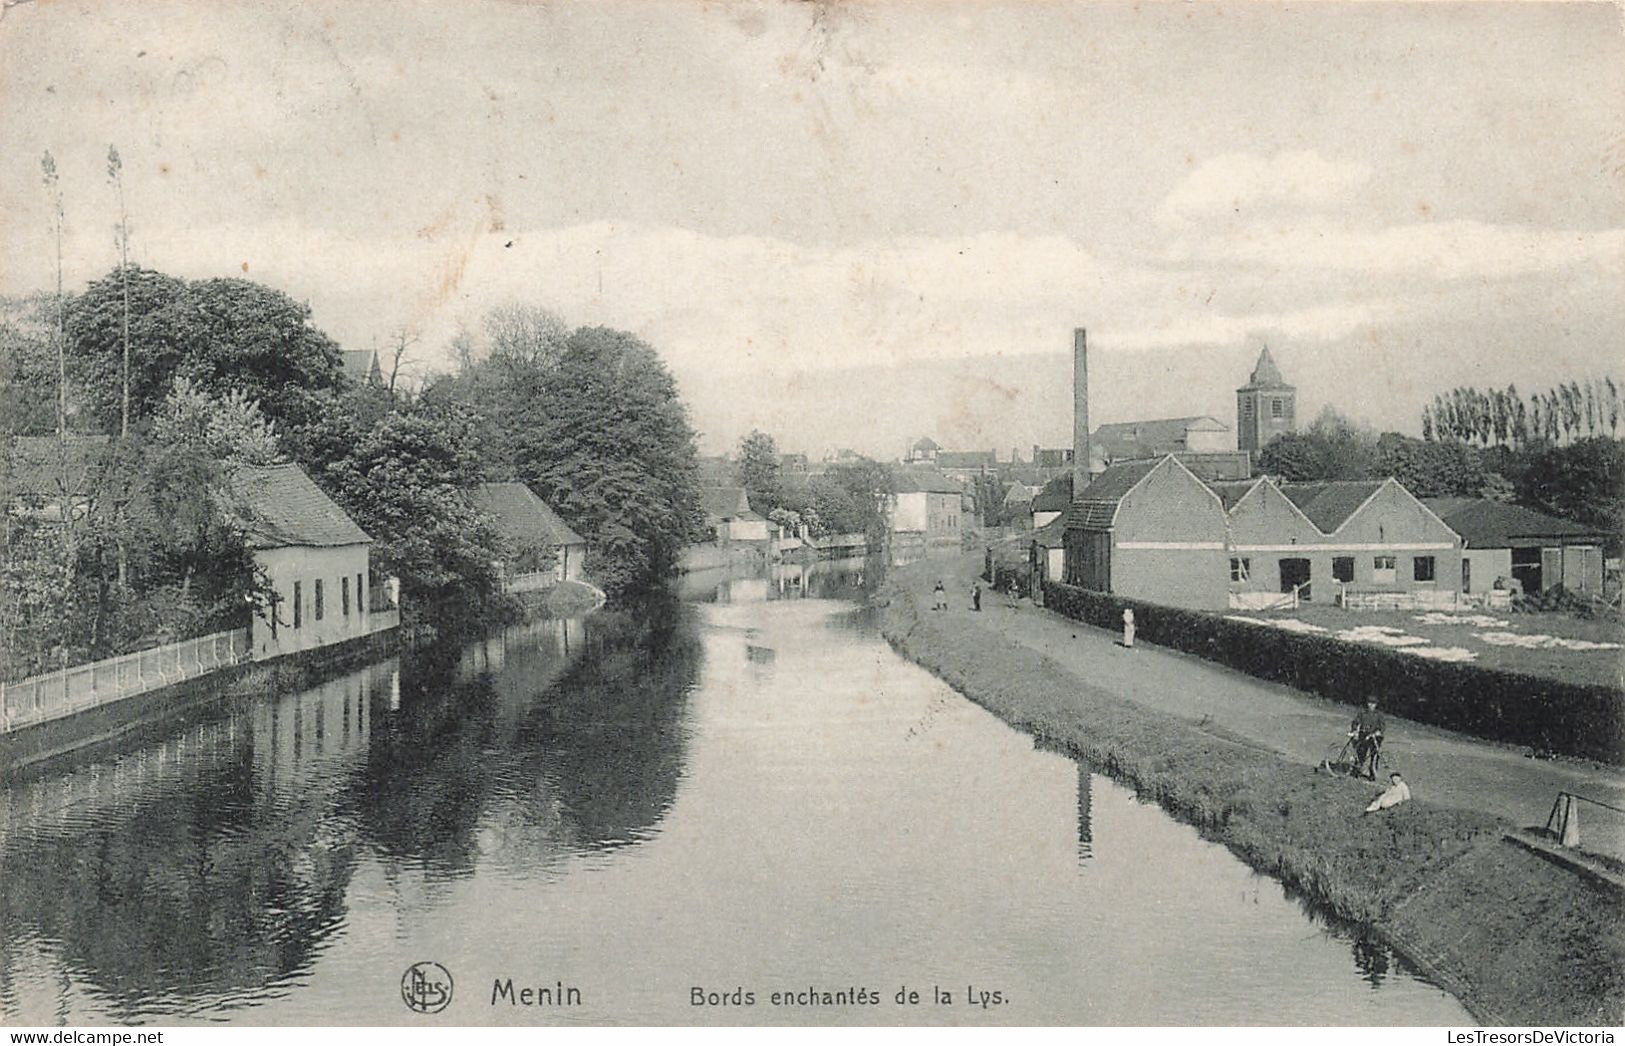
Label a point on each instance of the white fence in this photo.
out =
(535, 581)
(64, 692)
(1419, 599)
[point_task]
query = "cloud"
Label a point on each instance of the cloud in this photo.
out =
(1244, 184)
(1439, 251)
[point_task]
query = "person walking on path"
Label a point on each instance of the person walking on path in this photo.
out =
(1366, 730)
(939, 597)
(975, 596)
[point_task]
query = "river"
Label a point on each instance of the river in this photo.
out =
(745, 791)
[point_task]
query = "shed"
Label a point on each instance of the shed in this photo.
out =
(1148, 530)
(1504, 541)
(314, 555)
(538, 540)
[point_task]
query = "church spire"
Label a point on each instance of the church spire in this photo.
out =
(1265, 372)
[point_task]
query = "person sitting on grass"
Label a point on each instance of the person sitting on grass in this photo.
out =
(1366, 731)
(1397, 792)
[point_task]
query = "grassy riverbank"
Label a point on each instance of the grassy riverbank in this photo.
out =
(1518, 939)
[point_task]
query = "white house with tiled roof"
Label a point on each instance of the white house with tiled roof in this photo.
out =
(316, 559)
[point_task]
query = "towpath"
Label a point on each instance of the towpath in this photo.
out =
(1446, 768)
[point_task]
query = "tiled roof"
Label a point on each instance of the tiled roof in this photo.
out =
(724, 502)
(1097, 508)
(1128, 439)
(1232, 492)
(1329, 505)
(1051, 534)
(285, 508)
(925, 480)
(361, 364)
(1497, 524)
(1056, 495)
(36, 465)
(523, 518)
(966, 459)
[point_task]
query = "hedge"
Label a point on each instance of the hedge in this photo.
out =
(1575, 719)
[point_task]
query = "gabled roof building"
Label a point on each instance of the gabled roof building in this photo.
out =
(315, 557)
(537, 539)
(1156, 531)
(1506, 543)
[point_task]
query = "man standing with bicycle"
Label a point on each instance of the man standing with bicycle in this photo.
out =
(1366, 732)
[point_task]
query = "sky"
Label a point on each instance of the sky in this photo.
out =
(851, 224)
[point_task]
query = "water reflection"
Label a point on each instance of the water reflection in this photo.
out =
(849, 578)
(723, 793)
(213, 866)
(1086, 829)
(206, 864)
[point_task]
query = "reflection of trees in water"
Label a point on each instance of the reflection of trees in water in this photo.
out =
(544, 756)
(611, 735)
(199, 890)
(853, 578)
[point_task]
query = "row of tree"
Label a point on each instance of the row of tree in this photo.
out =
(1582, 480)
(850, 498)
(147, 543)
(1503, 417)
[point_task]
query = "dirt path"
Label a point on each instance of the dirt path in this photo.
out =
(1446, 768)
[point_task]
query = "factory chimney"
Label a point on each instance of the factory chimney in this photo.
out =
(1080, 413)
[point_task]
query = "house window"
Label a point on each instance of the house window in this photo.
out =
(344, 595)
(298, 603)
(1277, 408)
(1343, 568)
(1247, 408)
(1240, 569)
(360, 597)
(1422, 568)
(318, 599)
(1382, 568)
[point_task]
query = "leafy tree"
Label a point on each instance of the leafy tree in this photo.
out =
(606, 440)
(1584, 481)
(223, 335)
(29, 376)
(870, 485)
(1332, 448)
(1430, 468)
(403, 478)
(758, 471)
(226, 428)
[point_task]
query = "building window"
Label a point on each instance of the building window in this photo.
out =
(1247, 408)
(344, 595)
(1343, 568)
(1240, 569)
(1422, 568)
(360, 597)
(318, 599)
(298, 603)
(1277, 408)
(1382, 568)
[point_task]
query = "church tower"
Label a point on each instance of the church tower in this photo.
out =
(1265, 407)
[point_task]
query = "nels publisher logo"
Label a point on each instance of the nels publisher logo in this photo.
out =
(426, 987)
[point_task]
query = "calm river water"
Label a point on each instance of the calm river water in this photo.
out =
(752, 793)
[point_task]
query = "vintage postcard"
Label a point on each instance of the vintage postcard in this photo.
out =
(845, 513)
